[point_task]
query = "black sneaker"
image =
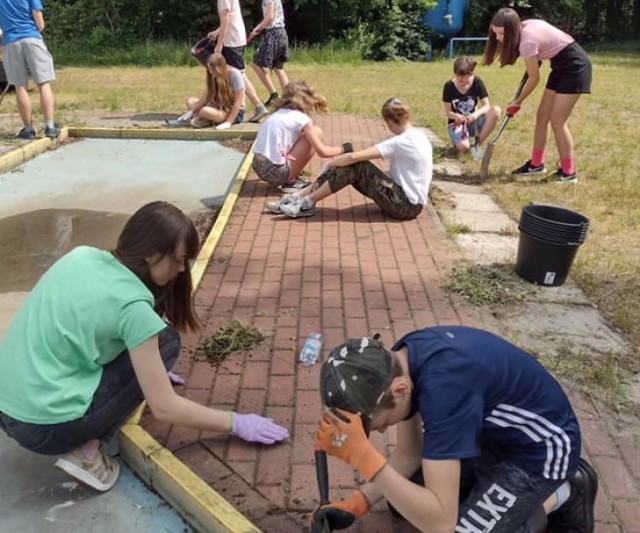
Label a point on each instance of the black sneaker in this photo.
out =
(272, 98)
(52, 132)
(576, 515)
(529, 170)
(27, 133)
(559, 175)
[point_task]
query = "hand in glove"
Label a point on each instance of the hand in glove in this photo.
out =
(340, 514)
(255, 428)
(342, 434)
(223, 125)
(512, 109)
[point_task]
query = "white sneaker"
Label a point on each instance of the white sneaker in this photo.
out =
(294, 208)
(476, 152)
(275, 206)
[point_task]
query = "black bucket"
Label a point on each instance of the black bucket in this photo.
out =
(203, 49)
(549, 239)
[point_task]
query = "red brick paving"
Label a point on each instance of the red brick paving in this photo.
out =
(347, 271)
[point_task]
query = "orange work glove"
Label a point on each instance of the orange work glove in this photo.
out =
(341, 433)
(340, 514)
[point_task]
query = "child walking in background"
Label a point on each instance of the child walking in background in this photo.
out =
(466, 104)
(288, 139)
(535, 40)
(401, 194)
(273, 51)
(221, 104)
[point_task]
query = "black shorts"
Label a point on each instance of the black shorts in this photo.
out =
(234, 56)
(570, 71)
(273, 51)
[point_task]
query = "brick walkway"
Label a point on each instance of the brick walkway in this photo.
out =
(348, 271)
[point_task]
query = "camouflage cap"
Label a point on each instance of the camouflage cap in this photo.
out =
(355, 375)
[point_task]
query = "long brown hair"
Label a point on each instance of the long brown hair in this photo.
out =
(301, 96)
(219, 91)
(158, 228)
(509, 49)
(396, 111)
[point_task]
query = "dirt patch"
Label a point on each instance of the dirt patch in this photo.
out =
(239, 144)
(204, 222)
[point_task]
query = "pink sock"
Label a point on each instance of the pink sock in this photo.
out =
(537, 157)
(89, 450)
(567, 164)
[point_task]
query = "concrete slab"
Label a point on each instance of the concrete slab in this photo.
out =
(479, 221)
(488, 248)
(120, 175)
(475, 202)
(457, 187)
(547, 327)
(36, 497)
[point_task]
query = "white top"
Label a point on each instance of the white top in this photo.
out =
(410, 163)
(279, 133)
(278, 13)
(236, 32)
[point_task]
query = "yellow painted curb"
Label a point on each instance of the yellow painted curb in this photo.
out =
(196, 501)
(29, 150)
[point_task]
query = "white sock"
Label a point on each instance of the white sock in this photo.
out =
(50, 123)
(562, 495)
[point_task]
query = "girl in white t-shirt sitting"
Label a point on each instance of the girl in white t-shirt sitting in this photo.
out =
(221, 103)
(288, 139)
(400, 194)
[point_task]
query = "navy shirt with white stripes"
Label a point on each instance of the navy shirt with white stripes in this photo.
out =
(475, 389)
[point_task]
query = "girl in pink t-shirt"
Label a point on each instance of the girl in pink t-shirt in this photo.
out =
(536, 40)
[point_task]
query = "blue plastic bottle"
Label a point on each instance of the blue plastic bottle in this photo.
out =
(311, 348)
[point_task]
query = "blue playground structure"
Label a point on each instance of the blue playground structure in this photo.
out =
(446, 19)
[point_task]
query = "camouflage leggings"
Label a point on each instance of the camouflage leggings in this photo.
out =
(369, 180)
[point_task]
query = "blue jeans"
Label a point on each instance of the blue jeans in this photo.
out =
(116, 397)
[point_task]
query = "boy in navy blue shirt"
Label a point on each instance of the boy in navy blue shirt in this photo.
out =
(487, 432)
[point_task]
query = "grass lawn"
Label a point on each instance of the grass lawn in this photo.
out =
(604, 124)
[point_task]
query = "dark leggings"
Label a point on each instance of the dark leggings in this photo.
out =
(116, 397)
(498, 497)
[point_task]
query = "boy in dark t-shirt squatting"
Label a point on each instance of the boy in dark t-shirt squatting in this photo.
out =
(486, 437)
(466, 104)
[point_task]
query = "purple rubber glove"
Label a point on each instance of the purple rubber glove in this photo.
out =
(176, 379)
(255, 428)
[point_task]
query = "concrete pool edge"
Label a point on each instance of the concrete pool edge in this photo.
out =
(197, 502)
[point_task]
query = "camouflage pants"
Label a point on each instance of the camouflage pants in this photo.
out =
(369, 180)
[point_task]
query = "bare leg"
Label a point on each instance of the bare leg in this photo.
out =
(46, 101)
(301, 154)
(543, 116)
(250, 91)
(191, 102)
(263, 75)
(563, 104)
(90, 449)
(491, 119)
(24, 104)
(212, 114)
(463, 146)
(283, 79)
